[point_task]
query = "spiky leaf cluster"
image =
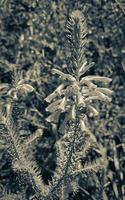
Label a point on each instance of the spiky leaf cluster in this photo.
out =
(77, 40)
(18, 150)
(72, 150)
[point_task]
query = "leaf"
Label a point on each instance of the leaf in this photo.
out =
(25, 88)
(115, 189)
(123, 64)
(85, 67)
(2, 144)
(38, 133)
(1, 190)
(91, 167)
(4, 87)
(6, 65)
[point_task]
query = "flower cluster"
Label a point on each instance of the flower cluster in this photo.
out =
(74, 97)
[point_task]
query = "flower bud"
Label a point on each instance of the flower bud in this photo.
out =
(53, 106)
(105, 91)
(53, 117)
(81, 102)
(57, 92)
(97, 78)
(64, 76)
(93, 111)
(82, 125)
(104, 97)
(62, 104)
(73, 113)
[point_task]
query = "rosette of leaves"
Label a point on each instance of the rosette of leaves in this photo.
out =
(74, 97)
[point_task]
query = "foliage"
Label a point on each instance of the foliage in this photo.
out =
(32, 44)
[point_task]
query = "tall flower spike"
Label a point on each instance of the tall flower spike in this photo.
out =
(76, 91)
(73, 97)
(76, 34)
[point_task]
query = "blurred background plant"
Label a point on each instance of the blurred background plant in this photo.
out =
(32, 35)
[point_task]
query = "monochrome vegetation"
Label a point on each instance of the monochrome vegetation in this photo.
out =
(48, 110)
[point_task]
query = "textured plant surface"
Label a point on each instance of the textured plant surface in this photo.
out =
(61, 136)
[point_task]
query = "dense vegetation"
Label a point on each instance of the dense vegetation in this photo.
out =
(33, 43)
